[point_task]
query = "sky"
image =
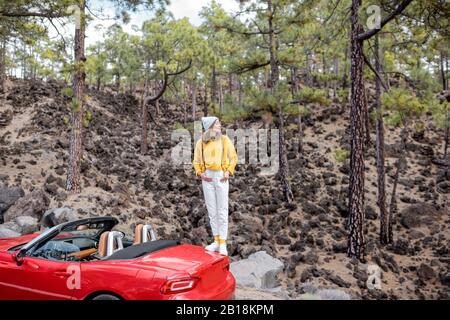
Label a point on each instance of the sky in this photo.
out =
(191, 8)
(104, 8)
(104, 12)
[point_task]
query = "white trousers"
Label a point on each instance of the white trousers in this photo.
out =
(216, 199)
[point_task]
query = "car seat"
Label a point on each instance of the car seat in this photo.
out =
(110, 242)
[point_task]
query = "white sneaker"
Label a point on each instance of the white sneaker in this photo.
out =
(223, 249)
(213, 247)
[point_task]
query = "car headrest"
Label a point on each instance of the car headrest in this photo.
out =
(102, 244)
(138, 234)
(110, 242)
(143, 233)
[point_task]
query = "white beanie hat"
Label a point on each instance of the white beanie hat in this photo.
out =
(208, 122)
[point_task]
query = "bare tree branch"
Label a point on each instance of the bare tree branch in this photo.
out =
(246, 33)
(375, 72)
(33, 14)
(166, 83)
(97, 16)
(59, 33)
(250, 67)
(161, 90)
(182, 70)
(404, 76)
(370, 33)
(332, 12)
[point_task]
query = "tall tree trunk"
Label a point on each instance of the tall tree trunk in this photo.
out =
(398, 165)
(98, 82)
(447, 124)
(325, 68)
(194, 99)
(381, 175)
(294, 82)
(443, 78)
(447, 134)
(182, 103)
(266, 78)
(99, 74)
(76, 135)
(300, 131)
(345, 74)
(118, 82)
(144, 119)
(213, 86)
(144, 127)
(230, 85)
(220, 95)
(24, 66)
(157, 107)
(446, 71)
(130, 87)
(367, 141)
(155, 92)
(205, 102)
(284, 168)
(2, 64)
(356, 245)
(336, 74)
(273, 82)
(34, 65)
(241, 93)
(309, 79)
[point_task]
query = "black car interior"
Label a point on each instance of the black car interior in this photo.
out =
(96, 246)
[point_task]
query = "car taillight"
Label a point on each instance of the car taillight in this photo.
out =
(179, 285)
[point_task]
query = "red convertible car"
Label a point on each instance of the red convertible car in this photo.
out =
(86, 259)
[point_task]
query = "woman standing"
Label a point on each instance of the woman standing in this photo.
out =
(214, 161)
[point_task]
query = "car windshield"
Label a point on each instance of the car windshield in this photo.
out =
(83, 230)
(46, 234)
(88, 233)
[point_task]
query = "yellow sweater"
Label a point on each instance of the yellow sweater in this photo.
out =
(218, 154)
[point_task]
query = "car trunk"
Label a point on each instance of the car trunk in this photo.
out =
(211, 268)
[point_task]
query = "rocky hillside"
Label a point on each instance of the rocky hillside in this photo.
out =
(308, 236)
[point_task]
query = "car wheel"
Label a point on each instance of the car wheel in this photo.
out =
(105, 297)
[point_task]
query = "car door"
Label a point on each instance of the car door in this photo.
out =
(9, 277)
(41, 279)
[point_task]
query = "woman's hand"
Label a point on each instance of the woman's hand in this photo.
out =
(226, 176)
(204, 177)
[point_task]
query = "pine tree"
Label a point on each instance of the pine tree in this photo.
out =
(272, 19)
(78, 84)
(356, 244)
(169, 49)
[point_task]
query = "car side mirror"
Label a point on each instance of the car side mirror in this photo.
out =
(18, 257)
